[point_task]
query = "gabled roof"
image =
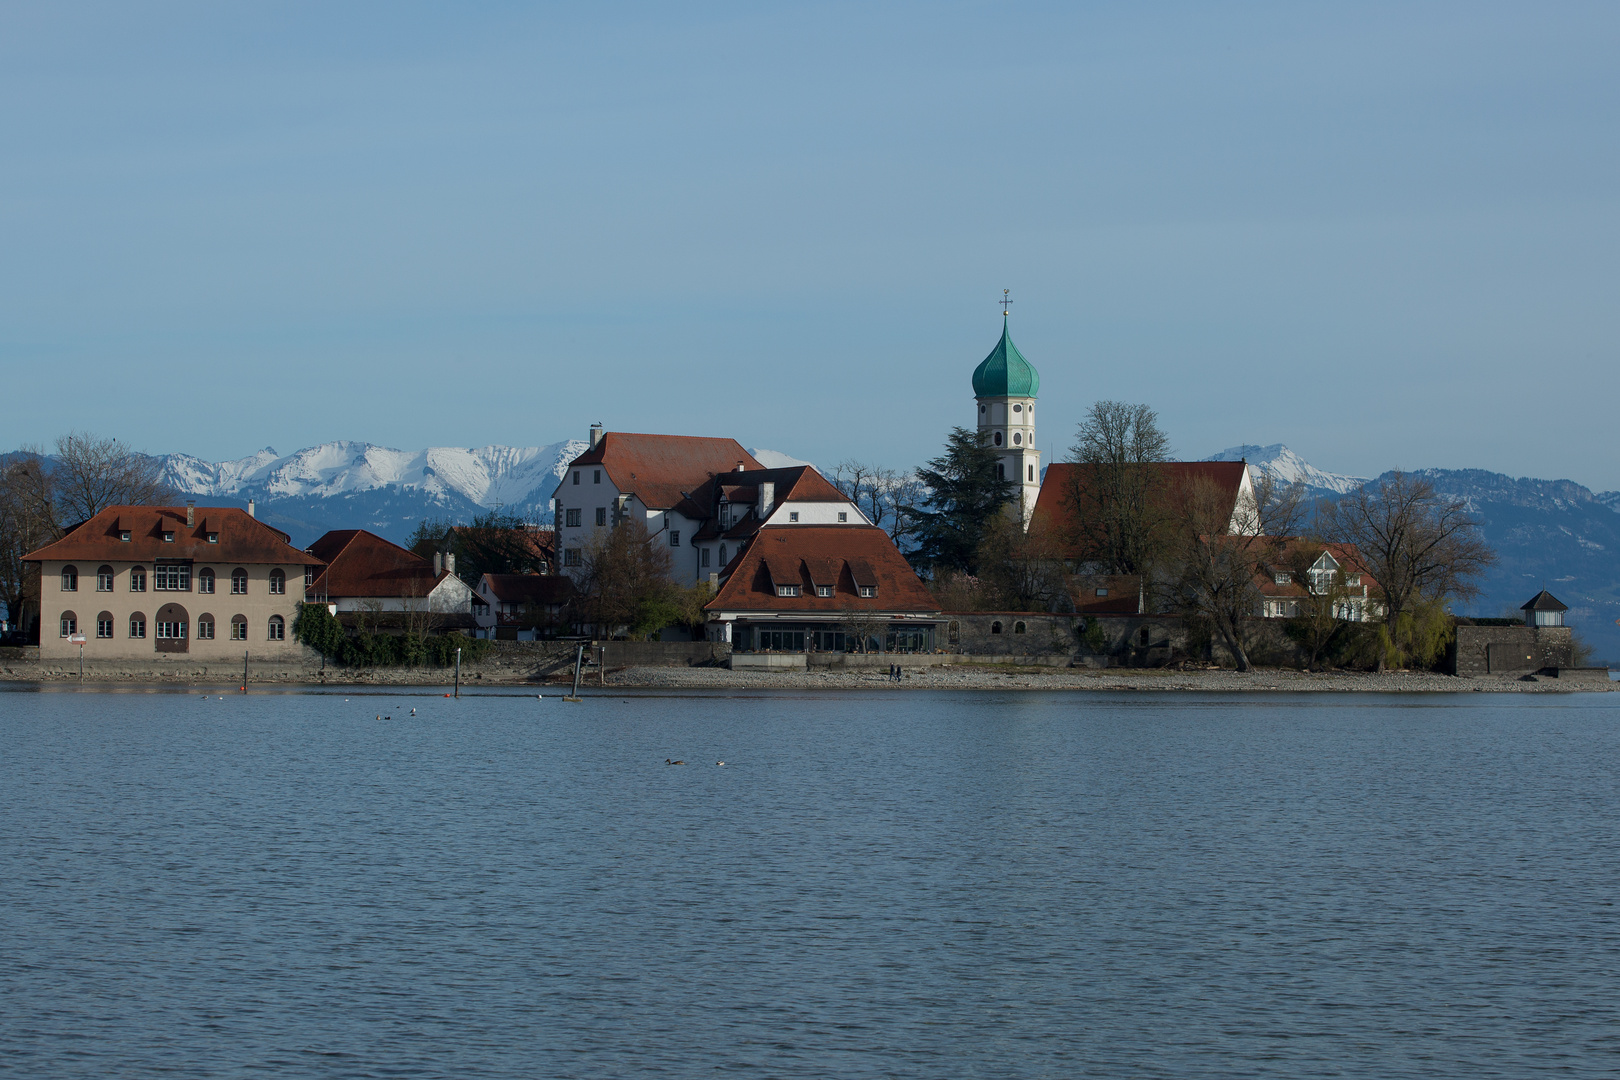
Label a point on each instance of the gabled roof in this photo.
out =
(1544, 601)
(360, 563)
(807, 555)
(1287, 555)
(527, 588)
(1055, 514)
(242, 538)
(1005, 372)
(660, 469)
(1122, 594)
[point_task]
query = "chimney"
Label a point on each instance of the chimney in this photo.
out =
(596, 435)
(438, 563)
(450, 563)
(740, 467)
(251, 514)
(191, 513)
(767, 499)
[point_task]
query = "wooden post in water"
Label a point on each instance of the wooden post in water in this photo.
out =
(601, 665)
(579, 661)
(458, 673)
(244, 671)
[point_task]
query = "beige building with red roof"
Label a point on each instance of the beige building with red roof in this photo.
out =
(200, 581)
(822, 588)
(702, 498)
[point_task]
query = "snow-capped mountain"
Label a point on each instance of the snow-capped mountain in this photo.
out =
(1288, 467)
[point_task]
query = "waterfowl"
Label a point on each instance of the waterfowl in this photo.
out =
(669, 762)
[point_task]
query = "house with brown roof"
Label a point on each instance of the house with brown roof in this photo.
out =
(702, 498)
(1287, 581)
(520, 607)
(1061, 510)
(207, 582)
(822, 588)
(365, 577)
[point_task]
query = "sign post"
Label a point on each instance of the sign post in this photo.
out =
(78, 639)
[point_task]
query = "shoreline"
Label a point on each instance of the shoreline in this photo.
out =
(722, 680)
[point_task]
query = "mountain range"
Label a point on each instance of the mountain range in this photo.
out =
(1552, 533)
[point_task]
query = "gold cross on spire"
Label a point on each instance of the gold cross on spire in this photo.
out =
(1006, 302)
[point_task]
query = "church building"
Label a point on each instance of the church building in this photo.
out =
(1005, 386)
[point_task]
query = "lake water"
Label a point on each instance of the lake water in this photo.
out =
(902, 884)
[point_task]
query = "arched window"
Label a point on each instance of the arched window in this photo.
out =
(722, 554)
(1032, 474)
(954, 630)
(1018, 628)
(1144, 635)
(278, 583)
(137, 625)
(70, 623)
(205, 627)
(137, 579)
(104, 579)
(239, 582)
(104, 625)
(70, 580)
(997, 438)
(1018, 438)
(278, 628)
(205, 580)
(995, 627)
(238, 627)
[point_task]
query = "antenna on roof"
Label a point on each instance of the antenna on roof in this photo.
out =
(1006, 303)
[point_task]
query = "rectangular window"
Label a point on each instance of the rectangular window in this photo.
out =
(703, 556)
(576, 476)
(571, 519)
(124, 536)
(843, 515)
(1282, 578)
(787, 590)
(601, 515)
(598, 479)
(238, 582)
(213, 538)
(278, 630)
(1352, 579)
(137, 579)
(1032, 474)
(674, 538)
(868, 590)
(171, 631)
(70, 625)
(167, 578)
(137, 628)
(168, 538)
(793, 515)
(104, 582)
(570, 556)
(823, 590)
(1102, 592)
(309, 576)
(70, 580)
(104, 628)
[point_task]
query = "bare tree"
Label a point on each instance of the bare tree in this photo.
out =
(1423, 549)
(1117, 498)
(27, 522)
(91, 474)
(625, 580)
(1022, 571)
(853, 479)
(864, 627)
(1220, 554)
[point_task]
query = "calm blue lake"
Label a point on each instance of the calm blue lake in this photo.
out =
(901, 884)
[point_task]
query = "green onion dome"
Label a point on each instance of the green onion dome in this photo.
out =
(1005, 372)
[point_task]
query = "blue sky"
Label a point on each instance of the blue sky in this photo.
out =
(1385, 235)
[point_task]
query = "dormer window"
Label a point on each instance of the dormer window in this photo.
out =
(787, 590)
(168, 538)
(1282, 577)
(843, 516)
(823, 590)
(793, 515)
(124, 536)
(1352, 579)
(213, 538)
(868, 590)
(1102, 592)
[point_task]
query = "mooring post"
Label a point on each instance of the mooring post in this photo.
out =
(81, 661)
(579, 661)
(458, 673)
(601, 665)
(244, 672)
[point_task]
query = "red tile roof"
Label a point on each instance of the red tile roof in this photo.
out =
(1288, 555)
(1124, 594)
(806, 556)
(242, 539)
(1055, 514)
(360, 563)
(527, 588)
(659, 469)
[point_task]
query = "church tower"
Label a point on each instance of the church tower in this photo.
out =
(1005, 387)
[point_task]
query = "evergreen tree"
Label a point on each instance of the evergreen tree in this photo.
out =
(965, 492)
